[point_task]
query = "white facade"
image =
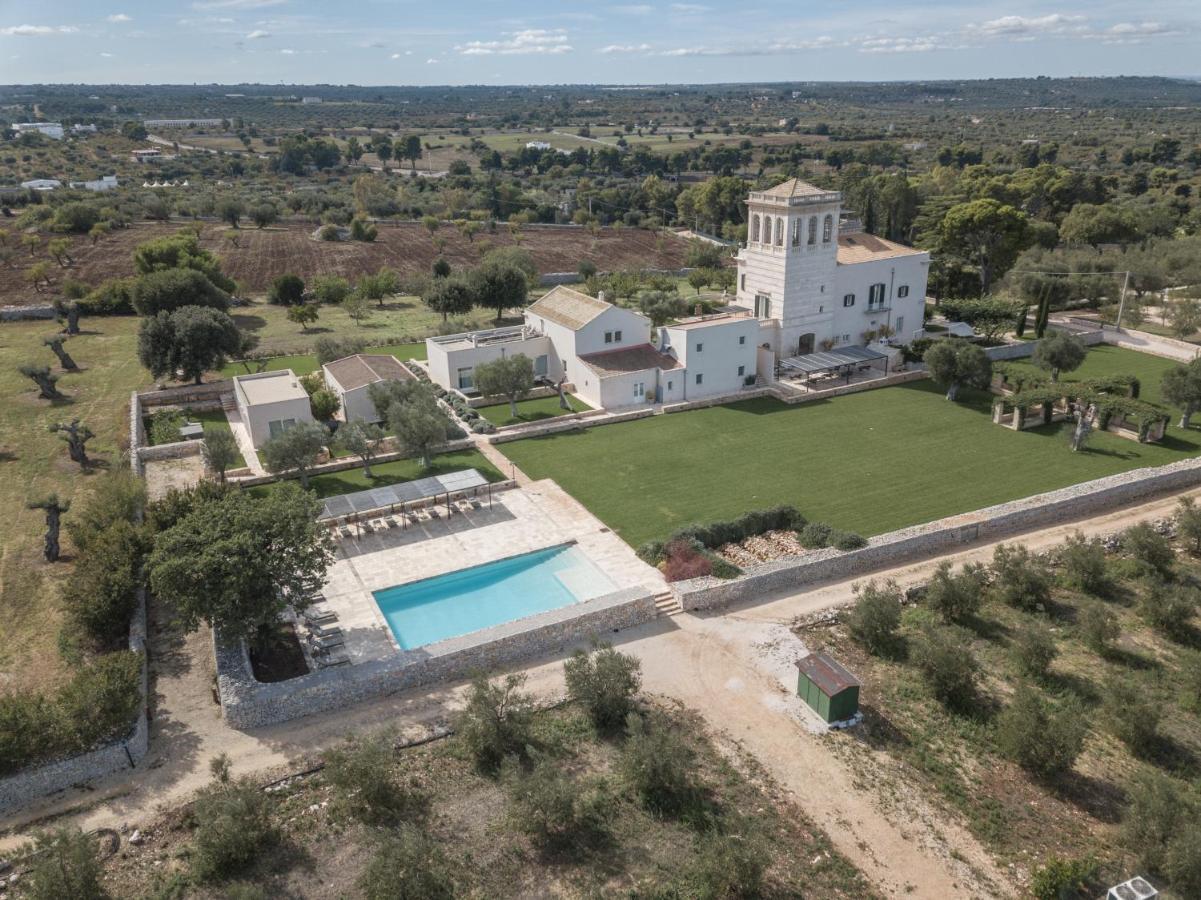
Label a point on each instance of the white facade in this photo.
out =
(812, 287)
(42, 184)
(717, 352)
(352, 377)
(452, 359)
(270, 403)
(49, 129)
(107, 183)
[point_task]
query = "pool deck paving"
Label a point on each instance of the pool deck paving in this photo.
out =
(521, 520)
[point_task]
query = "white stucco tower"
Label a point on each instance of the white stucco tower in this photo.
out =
(786, 272)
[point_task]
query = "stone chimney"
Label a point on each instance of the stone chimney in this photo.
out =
(600, 295)
(698, 310)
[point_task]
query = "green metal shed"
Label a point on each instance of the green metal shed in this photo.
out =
(827, 687)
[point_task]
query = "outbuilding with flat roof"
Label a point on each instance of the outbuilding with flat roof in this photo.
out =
(270, 403)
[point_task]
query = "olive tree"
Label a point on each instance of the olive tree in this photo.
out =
(1059, 352)
(511, 377)
(295, 449)
(220, 450)
(954, 364)
(362, 439)
(1181, 386)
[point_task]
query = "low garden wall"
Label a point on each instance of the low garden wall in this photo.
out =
(784, 395)
(346, 462)
(174, 450)
(34, 784)
(945, 535)
(567, 423)
(248, 703)
(187, 394)
(19, 313)
(1023, 349)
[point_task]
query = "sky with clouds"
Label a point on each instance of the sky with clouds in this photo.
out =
(392, 42)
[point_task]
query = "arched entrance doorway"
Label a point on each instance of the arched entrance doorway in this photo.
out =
(806, 344)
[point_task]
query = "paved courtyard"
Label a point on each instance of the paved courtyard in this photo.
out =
(520, 520)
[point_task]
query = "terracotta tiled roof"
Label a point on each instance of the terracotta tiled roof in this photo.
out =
(628, 359)
(569, 308)
(794, 187)
(366, 368)
(862, 247)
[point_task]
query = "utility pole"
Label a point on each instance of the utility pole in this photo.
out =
(1122, 302)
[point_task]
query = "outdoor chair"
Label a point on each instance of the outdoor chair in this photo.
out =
(434, 514)
(345, 531)
(475, 503)
(392, 523)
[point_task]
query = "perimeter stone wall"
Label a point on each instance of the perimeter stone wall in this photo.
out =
(248, 703)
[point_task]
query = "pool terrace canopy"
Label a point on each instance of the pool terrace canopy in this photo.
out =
(401, 494)
(844, 361)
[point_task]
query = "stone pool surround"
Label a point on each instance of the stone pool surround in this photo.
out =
(249, 703)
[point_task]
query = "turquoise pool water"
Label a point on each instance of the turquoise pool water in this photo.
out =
(447, 606)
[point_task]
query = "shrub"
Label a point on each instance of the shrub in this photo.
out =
(1168, 608)
(1042, 740)
(846, 540)
(497, 721)
(101, 594)
(658, 765)
(728, 865)
(605, 682)
(1150, 548)
(164, 426)
(1020, 578)
(685, 560)
(1098, 626)
(1188, 524)
(327, 349)
(286, 290)
(1131, 715)
(1034, 650)
(118, 496)
(1191, 674)
(1063, 879)
(232, 827)
(814, 535)
(552, 808)
(406, 864)
(361, 771)
(723, 568)
(1182, 864)
(1083, 565)
(112, 298)
(874, 619)
(102, 698)
(944, 657)
(1157, 812)
(67, 865)
(956, 597)
(172, 289)
(29, 730)
(329, 233)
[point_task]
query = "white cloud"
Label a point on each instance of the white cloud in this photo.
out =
(779, 48)
(900, 45)
(1028, 26)
(288, 51)
(258, 35)
(395, 56)
(634, 9)
(236, 4)
(119, 17)
(688, 8)
(626, 48)
(37, 30)
(529, 41)
(106, 55)
(1134, 32)
(432, 62)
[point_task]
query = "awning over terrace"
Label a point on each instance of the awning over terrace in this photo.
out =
(843, 359)
(404, 492)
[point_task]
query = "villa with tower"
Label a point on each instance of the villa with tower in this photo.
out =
(806, 284)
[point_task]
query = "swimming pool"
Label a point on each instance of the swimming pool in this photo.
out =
(446, 606)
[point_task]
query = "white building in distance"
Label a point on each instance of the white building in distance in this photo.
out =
(813, 288)
(49, 129)
(107, 183)
(351, 377)
(181, 123)
(42, 184)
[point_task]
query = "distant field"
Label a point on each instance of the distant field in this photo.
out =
(264, 254)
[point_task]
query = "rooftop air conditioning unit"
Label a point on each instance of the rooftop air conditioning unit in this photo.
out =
(1137, 888)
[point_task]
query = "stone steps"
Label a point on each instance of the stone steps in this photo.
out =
(667, 604)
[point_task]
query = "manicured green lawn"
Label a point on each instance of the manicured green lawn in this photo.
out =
(869, 462)
(1105, 360)
(304, 364)
(531, 410)
(349, 480)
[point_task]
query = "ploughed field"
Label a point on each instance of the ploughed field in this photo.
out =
(870, 462)
(409, 248)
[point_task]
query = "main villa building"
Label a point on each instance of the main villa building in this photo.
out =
(803, 285)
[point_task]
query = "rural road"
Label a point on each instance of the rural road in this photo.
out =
(733, 667)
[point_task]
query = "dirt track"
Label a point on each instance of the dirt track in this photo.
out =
(262, 255)
(733, 667)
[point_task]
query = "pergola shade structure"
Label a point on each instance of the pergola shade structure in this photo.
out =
(388, 498)
(844, 361)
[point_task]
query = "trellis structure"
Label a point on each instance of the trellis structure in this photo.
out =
(1124, 416)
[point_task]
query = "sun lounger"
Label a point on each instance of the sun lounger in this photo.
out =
(434, 514)
(475, 503)
(314, 616)
(392, 523)
(332, 661)
(346, 532)
(320, 631)
(326, 643)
